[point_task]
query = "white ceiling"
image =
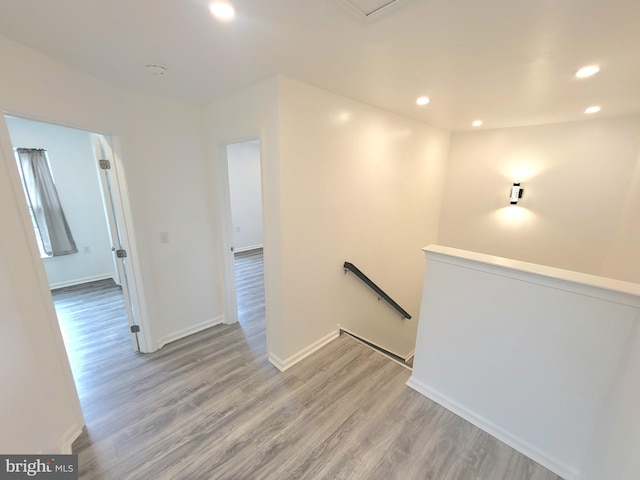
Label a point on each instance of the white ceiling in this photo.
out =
(508, 62)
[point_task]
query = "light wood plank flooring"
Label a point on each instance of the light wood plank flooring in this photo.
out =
(210, 406)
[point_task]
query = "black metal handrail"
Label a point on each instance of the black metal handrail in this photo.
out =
(381, 294)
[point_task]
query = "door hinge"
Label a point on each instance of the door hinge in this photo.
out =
(121, 253)
(135, 328)
(105, 164)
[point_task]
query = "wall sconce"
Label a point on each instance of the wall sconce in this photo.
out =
(516, 193)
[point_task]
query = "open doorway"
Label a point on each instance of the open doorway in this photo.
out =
(245, 202)
(66, 190)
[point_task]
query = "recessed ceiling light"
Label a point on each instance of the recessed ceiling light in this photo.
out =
(156, 70)
(588, 71)
(594, 109)
(477, 123)
(422, 101)
(222, 10)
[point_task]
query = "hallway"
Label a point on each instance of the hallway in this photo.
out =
(210, 406)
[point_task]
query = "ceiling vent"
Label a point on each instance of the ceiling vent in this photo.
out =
(369, 10)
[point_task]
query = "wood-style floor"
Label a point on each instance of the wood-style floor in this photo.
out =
(210, 406)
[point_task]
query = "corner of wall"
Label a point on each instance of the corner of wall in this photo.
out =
(70, 436)
(185, 332)
(284, 365)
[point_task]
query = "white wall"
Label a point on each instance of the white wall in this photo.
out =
(614, 445)
(581, 201)
(164, 154)
(341, 181)
(166, 160)
(544, 359)
(358, 184)
(623, 256)
(75, 172)
(245, 191)
(39, 407)
(252, 113)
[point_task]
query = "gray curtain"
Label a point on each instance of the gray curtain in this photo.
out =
(45, 203)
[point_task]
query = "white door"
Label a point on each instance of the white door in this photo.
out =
(113, 206)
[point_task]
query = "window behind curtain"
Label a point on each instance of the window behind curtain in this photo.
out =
(50, 224)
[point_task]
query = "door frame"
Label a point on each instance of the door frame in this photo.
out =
(230, 294)
(113, 205)
(122, 214)
(134, 273)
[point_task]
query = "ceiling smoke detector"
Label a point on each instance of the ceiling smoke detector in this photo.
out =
(156, 70)
(369, 9)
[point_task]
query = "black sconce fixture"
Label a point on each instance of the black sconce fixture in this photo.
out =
(516, 193)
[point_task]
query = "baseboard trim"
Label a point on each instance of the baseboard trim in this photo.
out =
(80, 281)
(515, 442)
(389, 356)
(226, 321)
(361, 337)
(276, 362)
(67, 439)
(284, 365)
(190, 331)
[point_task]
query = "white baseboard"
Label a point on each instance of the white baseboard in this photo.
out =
(226, 321)
(515, 442)
(80, 281)
(185, 332)
(247, 249)
(70, 436)
(361, 337)
(276, 362)
(412, 354)
(378, 352)
(284, 365)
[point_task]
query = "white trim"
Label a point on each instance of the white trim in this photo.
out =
(412, 354)
(362, 342)
(220, 183)
(284, 365)
(618, 291)
(276, 362)
(185, 332)
(223, 202)
(543, 458)
(67, 439)
(80, 281)
(124, 215)
(404, 357)
(247, 249)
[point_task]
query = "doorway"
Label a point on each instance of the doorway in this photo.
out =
(89, 283)
(247, 234)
